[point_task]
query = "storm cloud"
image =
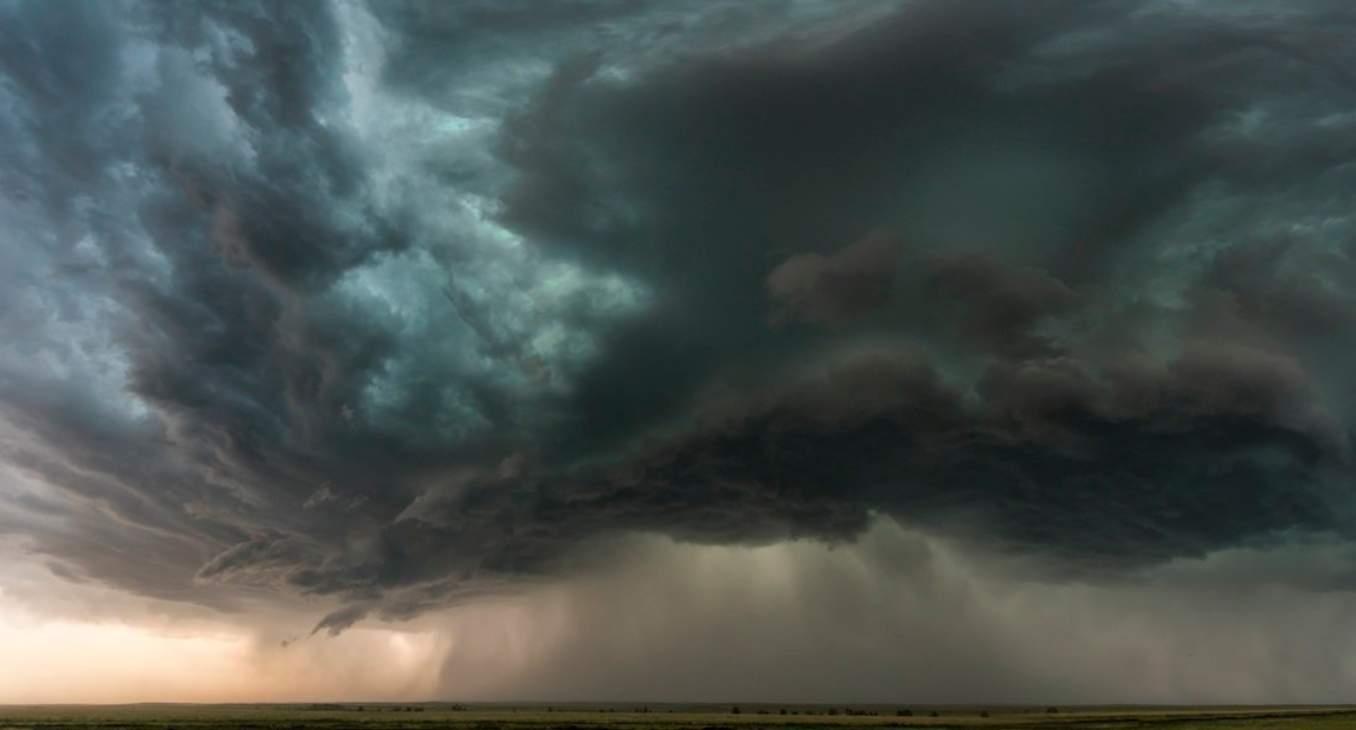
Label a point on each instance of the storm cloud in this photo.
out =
(377, 309)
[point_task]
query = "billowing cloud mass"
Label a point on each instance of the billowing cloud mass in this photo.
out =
(402, 311)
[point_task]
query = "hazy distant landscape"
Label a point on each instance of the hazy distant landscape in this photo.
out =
(644, 716)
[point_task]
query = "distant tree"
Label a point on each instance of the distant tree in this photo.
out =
(782, 711)
(983, 713)
(833, 710)
(734, 710)
(935, 713)
(904, 712)
(1052, 710)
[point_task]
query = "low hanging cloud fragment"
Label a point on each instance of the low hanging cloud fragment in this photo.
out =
(836, 289)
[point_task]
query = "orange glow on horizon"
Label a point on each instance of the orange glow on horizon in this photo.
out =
(69, 661)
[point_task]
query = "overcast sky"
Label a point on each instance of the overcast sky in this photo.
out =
(786, 350)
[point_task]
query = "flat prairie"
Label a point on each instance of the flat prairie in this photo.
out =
(659, 716)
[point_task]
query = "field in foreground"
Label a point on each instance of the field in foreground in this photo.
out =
(426, 716)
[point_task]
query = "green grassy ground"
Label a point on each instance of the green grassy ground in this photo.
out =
(658, 717)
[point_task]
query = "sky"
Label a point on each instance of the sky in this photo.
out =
(772, 350)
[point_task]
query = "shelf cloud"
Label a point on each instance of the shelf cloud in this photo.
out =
(377, 311)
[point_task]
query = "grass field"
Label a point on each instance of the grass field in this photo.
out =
(382, 716)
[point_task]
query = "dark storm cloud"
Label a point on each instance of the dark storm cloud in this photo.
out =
(403, 303)
(844, 286)
(710, 173)
(1111, 464)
